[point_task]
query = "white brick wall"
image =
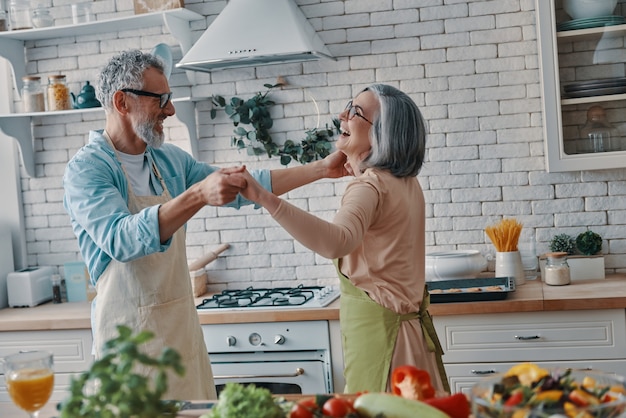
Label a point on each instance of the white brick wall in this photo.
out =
(471, 66)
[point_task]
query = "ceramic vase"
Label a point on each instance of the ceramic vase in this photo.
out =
(509, 264)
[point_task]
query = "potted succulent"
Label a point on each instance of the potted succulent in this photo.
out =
(584, 254)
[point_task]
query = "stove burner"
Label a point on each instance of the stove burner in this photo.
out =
(251, 297)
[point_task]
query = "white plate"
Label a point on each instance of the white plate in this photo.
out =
(164, 52)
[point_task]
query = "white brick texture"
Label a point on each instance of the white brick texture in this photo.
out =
(472, 67)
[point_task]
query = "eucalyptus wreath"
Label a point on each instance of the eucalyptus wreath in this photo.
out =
(253, 122)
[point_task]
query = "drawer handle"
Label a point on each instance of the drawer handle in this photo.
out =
(526, 338)
(481, 372)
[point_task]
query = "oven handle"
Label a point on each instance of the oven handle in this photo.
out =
(299, 371)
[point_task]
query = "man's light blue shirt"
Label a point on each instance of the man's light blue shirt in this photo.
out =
(96, 198)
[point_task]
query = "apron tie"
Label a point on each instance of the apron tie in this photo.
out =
(430, 334)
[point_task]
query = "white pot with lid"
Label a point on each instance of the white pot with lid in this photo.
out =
(454, 264)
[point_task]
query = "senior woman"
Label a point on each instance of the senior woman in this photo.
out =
(376, 241)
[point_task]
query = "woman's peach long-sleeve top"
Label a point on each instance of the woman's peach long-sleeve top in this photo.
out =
(378, 233)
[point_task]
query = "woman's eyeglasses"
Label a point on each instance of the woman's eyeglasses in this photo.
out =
(163, 98)
(352, 112)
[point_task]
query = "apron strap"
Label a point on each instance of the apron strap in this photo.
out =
(434, 345)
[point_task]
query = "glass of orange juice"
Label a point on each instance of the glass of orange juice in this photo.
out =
(29, 379)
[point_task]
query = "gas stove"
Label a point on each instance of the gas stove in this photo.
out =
(272, 298)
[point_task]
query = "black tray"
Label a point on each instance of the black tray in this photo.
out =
(464, 290)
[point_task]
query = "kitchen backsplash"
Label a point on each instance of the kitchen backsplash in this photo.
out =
(471, 66)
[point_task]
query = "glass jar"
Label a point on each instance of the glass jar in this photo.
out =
(598, 135)
(4, 23)
(32, 94)
(556, 271)
(19, 13)
(58, 93)
(41, 17)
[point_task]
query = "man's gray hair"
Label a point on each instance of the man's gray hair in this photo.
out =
(124, 70)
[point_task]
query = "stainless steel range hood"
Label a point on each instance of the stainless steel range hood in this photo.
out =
(249, 33)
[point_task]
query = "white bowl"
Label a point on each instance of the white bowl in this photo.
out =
(454, 264)
(584, 9)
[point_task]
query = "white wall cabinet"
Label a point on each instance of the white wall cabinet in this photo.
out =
(71, 351)
(480, 345)
(574, 60)
(12, 47)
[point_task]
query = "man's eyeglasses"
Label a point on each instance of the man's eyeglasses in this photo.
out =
(352, 112)
(163, 98)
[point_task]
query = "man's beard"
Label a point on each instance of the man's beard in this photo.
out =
(145, 130)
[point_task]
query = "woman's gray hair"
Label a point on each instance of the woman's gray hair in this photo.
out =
(398, 133)
(124, 70)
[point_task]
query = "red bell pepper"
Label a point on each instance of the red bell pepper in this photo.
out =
(411, 383)
(456, 406)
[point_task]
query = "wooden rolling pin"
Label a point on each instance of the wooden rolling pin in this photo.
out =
(207, 258)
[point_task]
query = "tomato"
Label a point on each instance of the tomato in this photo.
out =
(456, 406)
(411, 383)
(299, 411)
(514, 399)
(304, 408)
(336, 408)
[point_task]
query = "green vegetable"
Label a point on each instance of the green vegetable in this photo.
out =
(239, 401)
(371, 405)
(109, 389)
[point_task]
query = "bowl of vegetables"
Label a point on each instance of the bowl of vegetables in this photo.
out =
(528, 390)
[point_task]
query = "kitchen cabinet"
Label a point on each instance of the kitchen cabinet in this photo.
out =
(479, 345)
(580, 68)
(71, 349)
(12, 47)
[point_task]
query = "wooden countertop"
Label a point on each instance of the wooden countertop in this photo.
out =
(530, 297)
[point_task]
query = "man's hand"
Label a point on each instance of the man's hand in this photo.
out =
(223, 185)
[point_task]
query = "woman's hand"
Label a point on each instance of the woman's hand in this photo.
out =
(256, 193)
(334, 165)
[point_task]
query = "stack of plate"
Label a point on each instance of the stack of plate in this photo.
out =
(591, 22)
(600, 87)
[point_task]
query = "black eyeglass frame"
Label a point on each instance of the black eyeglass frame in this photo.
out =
(163, 97)
(352, 112)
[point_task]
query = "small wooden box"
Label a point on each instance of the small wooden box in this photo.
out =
(148, 6)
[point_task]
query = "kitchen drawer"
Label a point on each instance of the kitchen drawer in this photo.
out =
(71, 348)
(533, 336)
(463, 376)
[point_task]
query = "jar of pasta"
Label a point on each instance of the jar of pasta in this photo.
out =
(32, 94)
(58, 93)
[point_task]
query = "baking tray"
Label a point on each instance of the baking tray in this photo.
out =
(471, 290)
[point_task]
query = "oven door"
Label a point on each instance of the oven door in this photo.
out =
(285, 373)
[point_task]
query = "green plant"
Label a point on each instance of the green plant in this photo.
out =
(589, 243)
(563, 243)
(110, 388)
(255, 112)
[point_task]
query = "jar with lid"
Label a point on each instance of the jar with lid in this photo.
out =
(556, 271)
(19, 14)
(598, 135)
(58, 93)
(41, 17)
(32, 94)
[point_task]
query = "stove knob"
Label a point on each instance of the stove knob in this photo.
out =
(231, 341)
(279, 339)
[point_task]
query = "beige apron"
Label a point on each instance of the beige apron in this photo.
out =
(154, 293)
(368, 359)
